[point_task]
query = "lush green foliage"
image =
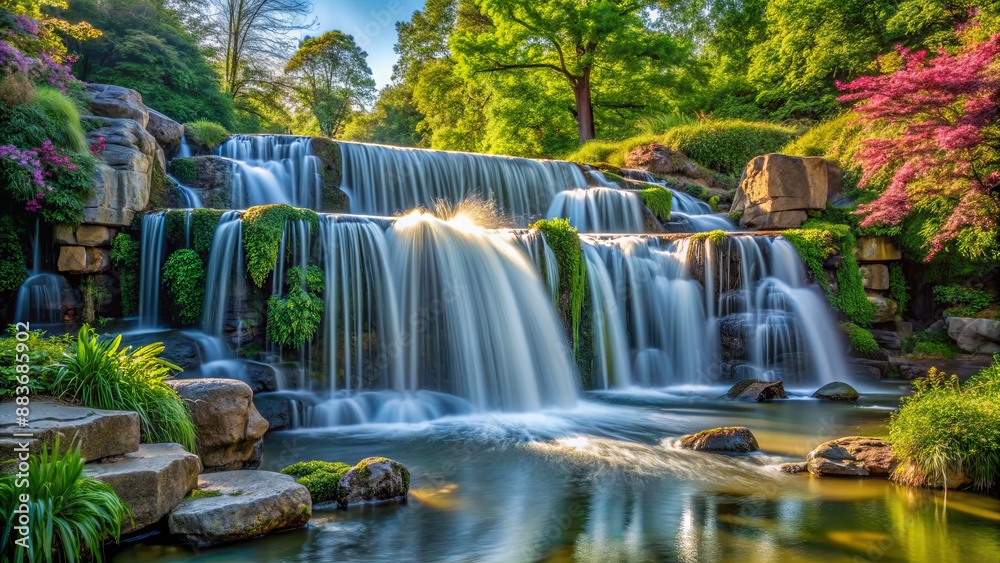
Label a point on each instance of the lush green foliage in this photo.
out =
(41, 353)
(659, 200)
(564, 241)
(315, 281)
(262, 229)
(95, 296)
(206, 134)
(63, 113)
(861, 339)
(946, 430)
(930, 344)
(13, 270)
(717, 236)
(125, 259)
(294, 320)
(184, 170)
(964, 301)
(184, 284)
(69, 515)
(322, 478)
(611, 152)
(727, 145)
(103, 375)
(898, 288)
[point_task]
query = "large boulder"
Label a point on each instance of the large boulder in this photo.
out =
(99, 433)
(151, 481)
(229, 426)
(852, 456)
(885, 308)
(83, 260)
(876, 249)
(117, 102)
(211, 177)
(239, 505)
(756, 390)
(374, 479)
(978, 336)
(662, 160)
(122, 180)
(875, 276)
(777, 190)
(166, 131)
(837, 391)
(735, 439)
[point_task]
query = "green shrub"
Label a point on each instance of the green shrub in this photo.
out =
(822, 139)
(717, 236)
(125, 259)
(103, 375)
(184, 170)
(564, 240)
(659, 200)
(322, 478)
(930, 344)
(861, 338)
(964, 301)
(611, 152)
(697, 191)
(203, 223)
(262, 229)
(64, 114)
(713, 202)
(315, 281)
(293, 320)
(94, 296)
(899, 291)
(69, 515)
(207, 134)
(934, 351)
(13, 269)
(184, 282)
(727, 146)
(946, 430)
(42, 352)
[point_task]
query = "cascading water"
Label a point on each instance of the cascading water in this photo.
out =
(153, 247)
(599, 210)
(225, 277)
(39, 299)
(384, 180)
(191, 199)
(273, 169)
(690, 214)
(184, 150)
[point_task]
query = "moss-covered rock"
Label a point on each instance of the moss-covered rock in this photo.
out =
(374, 479)
(322, 478)
(837, 391)
(331, 170)
(733, 439)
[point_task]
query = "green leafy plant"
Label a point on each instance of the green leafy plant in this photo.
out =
(659, 200)
(94, 295)
(322, 478)
(69, 516)
(61, 110)
(315, 280)
(13, 270)
(713, 202)
(899, 291)
(41, 352)
(206, 134)
(184, 282)
(294, 320)
(125, 259)
(564, 240)
(102, 375)
(727, 145)
(964, 301)
(262, 229)
(931, 344)
(861, 339)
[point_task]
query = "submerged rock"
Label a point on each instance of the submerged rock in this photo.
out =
(837, 391)
(374, 479)
(853, 456)
(737, 439)
(239, 505)
(756, 390)
(793, 467)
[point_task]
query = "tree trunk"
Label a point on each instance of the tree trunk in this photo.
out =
(584, 107)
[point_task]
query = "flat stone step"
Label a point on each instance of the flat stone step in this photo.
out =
(151, 481)
(100, 433)
(246, 504)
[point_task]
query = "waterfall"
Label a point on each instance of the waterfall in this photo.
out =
(184, 150)
(191, 199)
(384, 180)
(691, 214)
(273, 169)
(599, 210)
(225, 276)
(39, 299)
(535, 247)
(152, 249)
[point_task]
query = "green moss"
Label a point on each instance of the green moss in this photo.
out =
(861, 338)
(898, 288)
(717, 236)
(262, 229)
(13, 267)
(713, 202)
(293, 320)
(659, 200)
(184, 282)
(322, 478)
(931, 344)
(697, 191)
(564, 240)
(203, 223)
(185, 170)
(736, 217)
(196, 494)
(125, 259)
(206, 134)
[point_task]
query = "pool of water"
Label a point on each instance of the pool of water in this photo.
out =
(606, 482)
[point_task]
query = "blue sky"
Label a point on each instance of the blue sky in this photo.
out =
(373, 25)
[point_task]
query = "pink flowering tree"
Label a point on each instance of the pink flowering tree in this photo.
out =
(943, 113)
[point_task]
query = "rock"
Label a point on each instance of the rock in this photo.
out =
(83, 260)
(777, 190)
(151, 481)
(166, 131)
(875, 276)
(887, 339)
(854, 456)
(178, 348)
(662, 160)
(876, 249)
(374, 479)
(211, 177)
(756, 390)
(261, 377)
(904, 329)
(729, 439)
(837, 391)
(99, 433)
(117, 102)
(885, 308)
(228, 424)
(793, 467)
(246, 504)
(964, 365)
(122, 179)
(276, 411)
(875, 369)
(952, 478)
(978, 336)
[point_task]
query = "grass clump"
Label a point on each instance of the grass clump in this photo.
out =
(947, 434)
(727, 146)
(262, 229)
(322, 478)
(610, 152)
(206, 134)
(717, 236)
(861, 339)
(184, 282)
(69, 515)
(564, 240)
(659, 200)
(103, 375)
(63, 113)
(930, 344)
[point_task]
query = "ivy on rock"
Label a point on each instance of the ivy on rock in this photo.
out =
(262, 229)
(564, 240)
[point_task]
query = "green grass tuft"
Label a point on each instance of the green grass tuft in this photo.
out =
(207, 134)
(659, 200)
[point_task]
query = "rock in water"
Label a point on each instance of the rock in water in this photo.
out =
(853, 456)
(374, 479)
(837, 391)
(736, 439)
(756, 390)
(793, 467)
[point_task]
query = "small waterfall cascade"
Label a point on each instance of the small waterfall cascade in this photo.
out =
(39, 299)
(383, 180)
(225, 274)
(191, 198)
(535, 247)
(184, 150)
(690, 214)
(599, 210)
(273, 169)
(151, 257)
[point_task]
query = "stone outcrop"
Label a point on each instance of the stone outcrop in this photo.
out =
(662, 160)
(877, 249)
(122, 179)
(84, 235)
(229, 426)
(875, 276)
(977, 336)
(777, 190)
(374, 479)
(733, 439)
(83, 260)
(756, 390)
(211, 177)
(151, 481)
(852, 456)
(99, 433)
(117, 102)
(239, 505)
(166, 131)
(885, 307)
(837, 391)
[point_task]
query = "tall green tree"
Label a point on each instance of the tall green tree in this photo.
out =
(331, 77)
(393, 120)
(590, 44)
